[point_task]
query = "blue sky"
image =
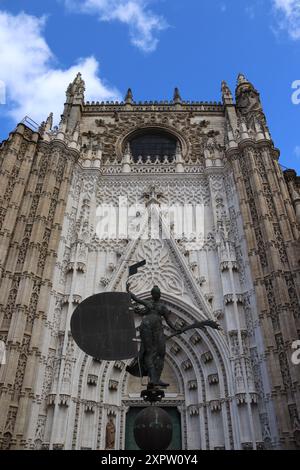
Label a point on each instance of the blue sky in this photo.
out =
(151, 46)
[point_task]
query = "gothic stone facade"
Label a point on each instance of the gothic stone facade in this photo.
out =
(234, 389)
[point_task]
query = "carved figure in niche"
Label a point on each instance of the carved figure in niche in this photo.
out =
(110, 437)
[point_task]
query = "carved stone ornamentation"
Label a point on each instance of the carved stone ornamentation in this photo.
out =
(207, 357)
(213, 379)
(175, 349)
(159, 269)
(64, 400)
(92, 379)
(193, 410)
(215, 405)
(89, 406)
(187, 365)
(113, 385)
(222, 169)
(119, 365)
(192, 385)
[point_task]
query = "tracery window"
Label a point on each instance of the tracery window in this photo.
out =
(154, 145)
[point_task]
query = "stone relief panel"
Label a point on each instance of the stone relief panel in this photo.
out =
(173, 191)
(195, 131)
(159, 270)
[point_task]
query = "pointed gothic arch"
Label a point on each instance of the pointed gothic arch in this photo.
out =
(201, 364)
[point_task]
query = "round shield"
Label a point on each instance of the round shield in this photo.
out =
(103, 326)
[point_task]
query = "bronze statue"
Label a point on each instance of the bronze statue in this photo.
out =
(150, 360)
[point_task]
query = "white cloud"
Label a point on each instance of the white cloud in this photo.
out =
(250, 11)
(143, 23)
(288, 13)
(297, 151)
(35, 85)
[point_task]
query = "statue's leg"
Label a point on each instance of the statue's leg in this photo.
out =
(160, 353)
(149, 354)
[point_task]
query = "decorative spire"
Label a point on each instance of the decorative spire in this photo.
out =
(79, 87)
(49, 122)
(46, 126)
(241, 79)
(126, 160)
(128, 150)
(42, 127)
(62, 121)
(178, 159)
(244, 84)
(78, 83)
(76, 89)
(78, 78)
(177, 97)
(226, 94)
(129, 97)
(246, 96)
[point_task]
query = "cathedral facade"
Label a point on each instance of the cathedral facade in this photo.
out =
(236, 388)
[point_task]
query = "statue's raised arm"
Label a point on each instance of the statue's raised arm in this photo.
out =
(135, 298)
(150, 361)
(166, 314)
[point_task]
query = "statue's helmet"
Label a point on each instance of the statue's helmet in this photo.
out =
(155, 292)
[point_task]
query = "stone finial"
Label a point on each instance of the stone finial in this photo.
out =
(61, 128)
(126, 168)
(42, 127)
(177, 97)
(76, 89)
(129, 96)
(49, 122)
(79, 87)
(128, 149)
(241, 79)
(178, 148)
(247, 97)
(244, 84)
(46, 126)
(62, 123)
(78, 82)
(226, 94)
(78, 78)
(179, 159)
